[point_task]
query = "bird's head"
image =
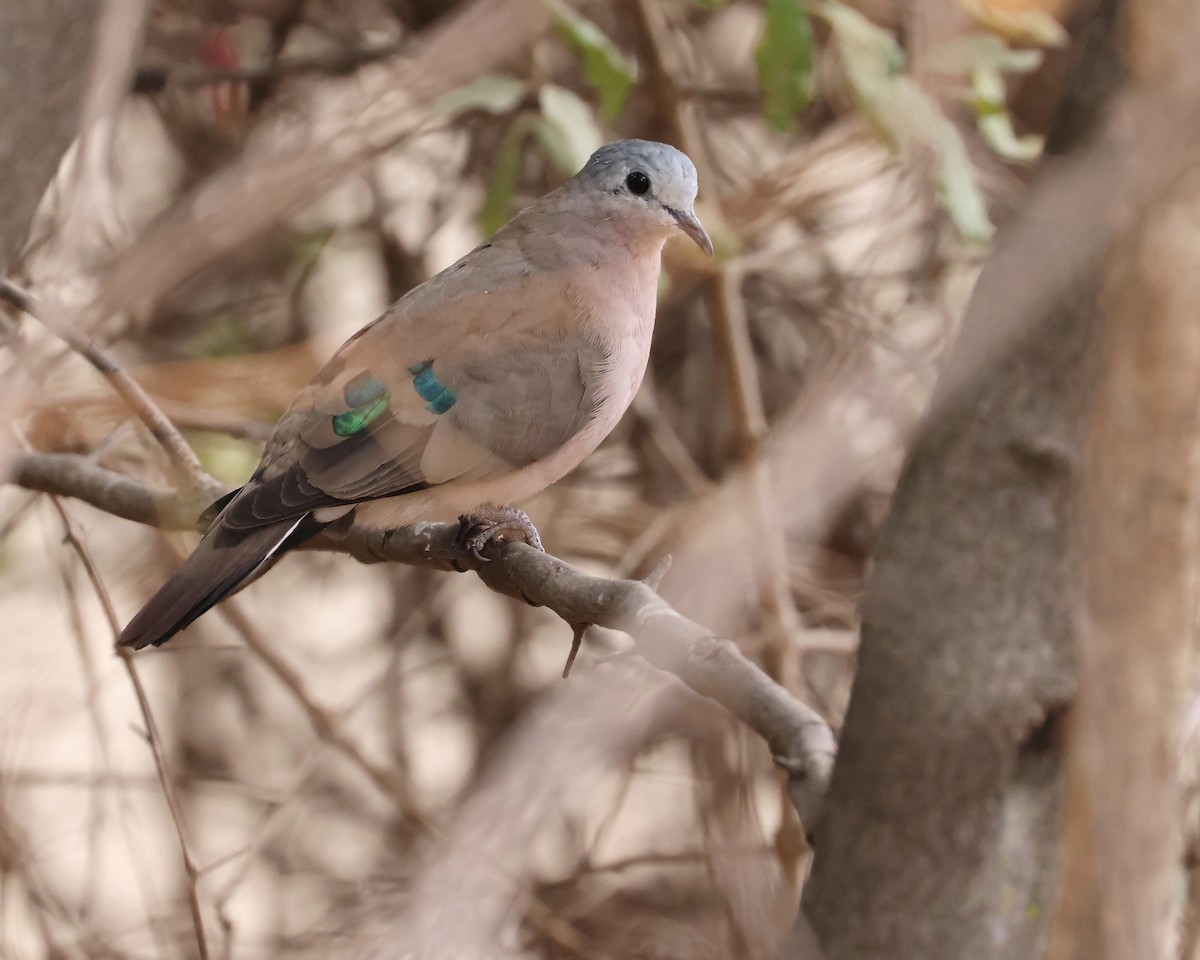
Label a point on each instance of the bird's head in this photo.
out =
(652, 186)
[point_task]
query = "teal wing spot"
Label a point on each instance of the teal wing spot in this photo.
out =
(438, 399)
(367, 398)
(443, 402)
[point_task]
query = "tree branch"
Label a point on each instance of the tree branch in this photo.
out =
(154, 78)
(153, 736)
(801, 742)
(182, 457)
(71, 475)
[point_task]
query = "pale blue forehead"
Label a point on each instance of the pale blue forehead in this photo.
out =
(660, 161)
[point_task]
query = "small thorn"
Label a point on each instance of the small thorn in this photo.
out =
(655, 576)
(579, 629)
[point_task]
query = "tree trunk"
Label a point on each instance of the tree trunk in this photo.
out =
(939, 841)
(941, 837)
(1136, 615)
(45, 48)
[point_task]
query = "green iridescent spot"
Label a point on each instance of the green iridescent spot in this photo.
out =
(438, 399)
(367, 398)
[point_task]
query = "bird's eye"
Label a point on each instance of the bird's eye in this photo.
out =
(637, 182)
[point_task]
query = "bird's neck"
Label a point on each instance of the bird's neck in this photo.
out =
(622, 296)
(609, 264)
(599, 232)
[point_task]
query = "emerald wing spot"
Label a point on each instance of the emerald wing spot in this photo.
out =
(367, 398)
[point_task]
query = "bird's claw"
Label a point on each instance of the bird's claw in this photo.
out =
(490, 523)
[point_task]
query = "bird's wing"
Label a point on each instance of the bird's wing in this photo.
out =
(433, 392)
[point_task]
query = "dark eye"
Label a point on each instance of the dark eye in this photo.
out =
(637, 182)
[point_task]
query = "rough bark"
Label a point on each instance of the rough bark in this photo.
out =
(940, 837)
(45, 49)
(712, 666)
(940, 834)
(1123, 842)
(1136, 603)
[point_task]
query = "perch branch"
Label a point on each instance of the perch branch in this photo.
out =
(733, 350)
(796, 735)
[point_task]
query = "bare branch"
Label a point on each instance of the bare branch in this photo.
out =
(151, 79)
(71, 475)
(800, 740)
(170, 439)
(305, 155)
(327, 725)
(153, 737)
(710, 665)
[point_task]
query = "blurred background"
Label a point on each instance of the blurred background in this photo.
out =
(380, 760)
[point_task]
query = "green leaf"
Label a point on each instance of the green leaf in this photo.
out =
(1000, 136)
(904, 116)
(229, 459)
(566, 128)
(784, 58)
(497, 203)
(226, 334)
(607, 71)
(980, 51)
(986, 58)
(568, 131)
(496, 94)
(957, 185)
(994, 120)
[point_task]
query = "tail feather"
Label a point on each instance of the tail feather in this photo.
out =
(222, 563)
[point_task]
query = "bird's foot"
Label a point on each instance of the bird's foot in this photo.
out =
(489, 523)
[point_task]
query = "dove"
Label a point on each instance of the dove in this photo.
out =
(483, 385)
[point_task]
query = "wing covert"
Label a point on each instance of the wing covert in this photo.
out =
(482, 408)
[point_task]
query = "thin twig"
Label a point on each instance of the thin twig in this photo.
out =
(103, 738)
(139, 402)
(734, 351)
(646, 408)
(710, 665)
(72, 475)
(153, 737)
(152, 79)
(676, 109)
(324, 722)
(312, 149)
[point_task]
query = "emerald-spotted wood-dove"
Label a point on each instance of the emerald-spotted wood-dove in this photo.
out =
(486, 383)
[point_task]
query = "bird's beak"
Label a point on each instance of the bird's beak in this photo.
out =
(692, 227)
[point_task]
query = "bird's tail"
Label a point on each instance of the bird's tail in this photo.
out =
(223, 561)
